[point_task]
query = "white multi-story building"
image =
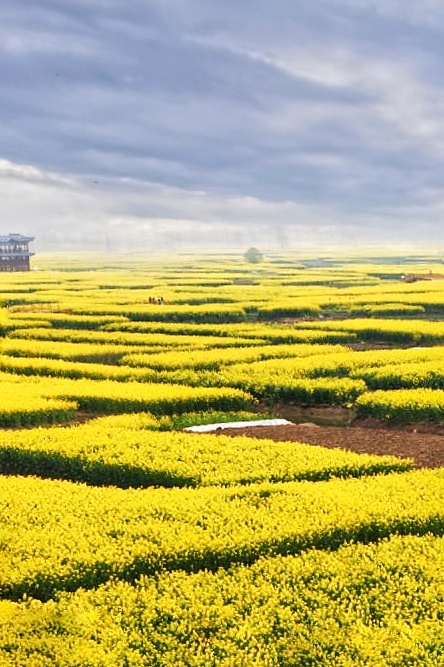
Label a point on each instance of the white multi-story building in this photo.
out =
(14, 252)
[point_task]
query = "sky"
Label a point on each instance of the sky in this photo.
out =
(180, 124)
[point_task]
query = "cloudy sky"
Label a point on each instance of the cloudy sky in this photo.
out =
(157, 124)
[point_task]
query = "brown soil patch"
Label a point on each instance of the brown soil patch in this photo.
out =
(410, 441)
(323, 415)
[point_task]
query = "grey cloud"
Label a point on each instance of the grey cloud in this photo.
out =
(333, 106)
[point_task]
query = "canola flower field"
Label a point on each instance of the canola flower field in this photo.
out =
(126, 541)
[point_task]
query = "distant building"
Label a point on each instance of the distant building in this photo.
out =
(14, 252)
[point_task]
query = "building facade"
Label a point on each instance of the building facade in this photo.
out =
(14, 252)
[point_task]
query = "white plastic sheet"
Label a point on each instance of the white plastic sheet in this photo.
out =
(258, 422)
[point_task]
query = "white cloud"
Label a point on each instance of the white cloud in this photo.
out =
(27, 172)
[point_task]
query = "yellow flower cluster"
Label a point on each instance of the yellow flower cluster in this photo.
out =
(361, 606)
(122, 451)
(410, 331)
(25, 403)
(108, 396)
(210, 359)
(403, 404)
(127, 533)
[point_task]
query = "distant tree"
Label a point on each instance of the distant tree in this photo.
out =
(253, 255)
